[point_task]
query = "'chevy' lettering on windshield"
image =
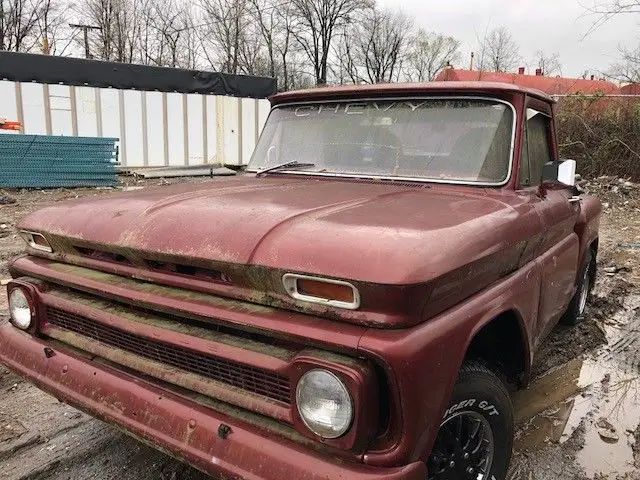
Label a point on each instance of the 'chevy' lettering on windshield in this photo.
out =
(355, 108)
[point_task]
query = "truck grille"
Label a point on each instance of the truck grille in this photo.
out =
(251, 379)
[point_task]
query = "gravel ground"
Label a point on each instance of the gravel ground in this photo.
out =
(585, 376)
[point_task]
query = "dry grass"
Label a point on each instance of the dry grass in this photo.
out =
(601, 133)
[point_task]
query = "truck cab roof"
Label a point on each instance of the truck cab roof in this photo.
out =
(406, 89)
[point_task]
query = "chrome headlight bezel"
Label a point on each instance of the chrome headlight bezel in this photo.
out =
(21, 309)
(329, 428)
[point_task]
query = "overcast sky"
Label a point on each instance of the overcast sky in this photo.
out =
(554, 26)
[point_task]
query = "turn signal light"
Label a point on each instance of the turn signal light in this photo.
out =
(335, 293)
(329, 291)
(36, 241)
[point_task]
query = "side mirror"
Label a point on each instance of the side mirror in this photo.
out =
(563, 172)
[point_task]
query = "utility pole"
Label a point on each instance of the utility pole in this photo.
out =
(85, 29)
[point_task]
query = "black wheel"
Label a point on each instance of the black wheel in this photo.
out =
(476, 435)
(578, 305)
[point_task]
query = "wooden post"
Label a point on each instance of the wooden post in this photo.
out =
(123, 129)
(145, 133)
(47, 109)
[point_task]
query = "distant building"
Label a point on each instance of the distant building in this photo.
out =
(631, 89)
(549, 85)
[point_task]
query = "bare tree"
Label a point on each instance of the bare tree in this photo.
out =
(119, 23)
(614, 7)
(499, 51)
(227, 22)
(147, 37)
(269, 25)
(126, 28)
(166, 35)
(18, 22)
(372, 50)
(32, 25)
(428, 54)
(190, 53)
(53, 32)
(549, 64)
(628, 68)
(317, 24)
(253, 56)
(344, 69)
(605, 10)
(287, 50)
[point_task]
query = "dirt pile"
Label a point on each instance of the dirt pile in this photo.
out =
(609, 299)
(614, 192)
(621, 221)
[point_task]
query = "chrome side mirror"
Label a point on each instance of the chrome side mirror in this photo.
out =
(563, 172)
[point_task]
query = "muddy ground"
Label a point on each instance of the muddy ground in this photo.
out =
(580, 419)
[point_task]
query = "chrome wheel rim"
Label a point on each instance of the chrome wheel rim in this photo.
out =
(584, 291)
(464, 449)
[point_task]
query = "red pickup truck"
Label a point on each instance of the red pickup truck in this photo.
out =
(358, 305)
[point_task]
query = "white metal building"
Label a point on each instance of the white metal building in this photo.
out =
(155, 128)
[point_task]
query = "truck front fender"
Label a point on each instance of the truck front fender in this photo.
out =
(423, 362)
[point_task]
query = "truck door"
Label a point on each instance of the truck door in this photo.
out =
(558, 244)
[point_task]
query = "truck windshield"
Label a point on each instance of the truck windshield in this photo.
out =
(446, 140)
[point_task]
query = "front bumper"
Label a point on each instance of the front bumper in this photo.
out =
(175, 424)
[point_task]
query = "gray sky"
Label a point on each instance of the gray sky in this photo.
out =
(554, 26)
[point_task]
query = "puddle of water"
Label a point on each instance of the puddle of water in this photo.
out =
(545, 428)
(616, 398)
(548, 391)
(606, 392)
(582, 393)
(561, 402)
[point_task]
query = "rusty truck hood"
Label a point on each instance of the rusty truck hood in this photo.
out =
(368, 231)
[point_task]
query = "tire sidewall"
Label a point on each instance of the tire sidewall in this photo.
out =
(573, 316)
(480, 395)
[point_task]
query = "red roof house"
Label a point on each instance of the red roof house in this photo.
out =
(631, 89)
(549, 85)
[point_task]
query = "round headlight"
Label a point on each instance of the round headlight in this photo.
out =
(324, 403)
(20, 309)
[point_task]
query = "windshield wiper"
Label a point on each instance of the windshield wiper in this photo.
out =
(294, 164)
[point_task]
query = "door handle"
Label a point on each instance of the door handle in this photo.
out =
(575, 199)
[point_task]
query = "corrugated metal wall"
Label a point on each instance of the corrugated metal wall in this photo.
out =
(154, 128)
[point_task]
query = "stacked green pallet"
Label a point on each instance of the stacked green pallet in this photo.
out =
(43, 161)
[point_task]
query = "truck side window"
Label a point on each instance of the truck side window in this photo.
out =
(536, 151)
